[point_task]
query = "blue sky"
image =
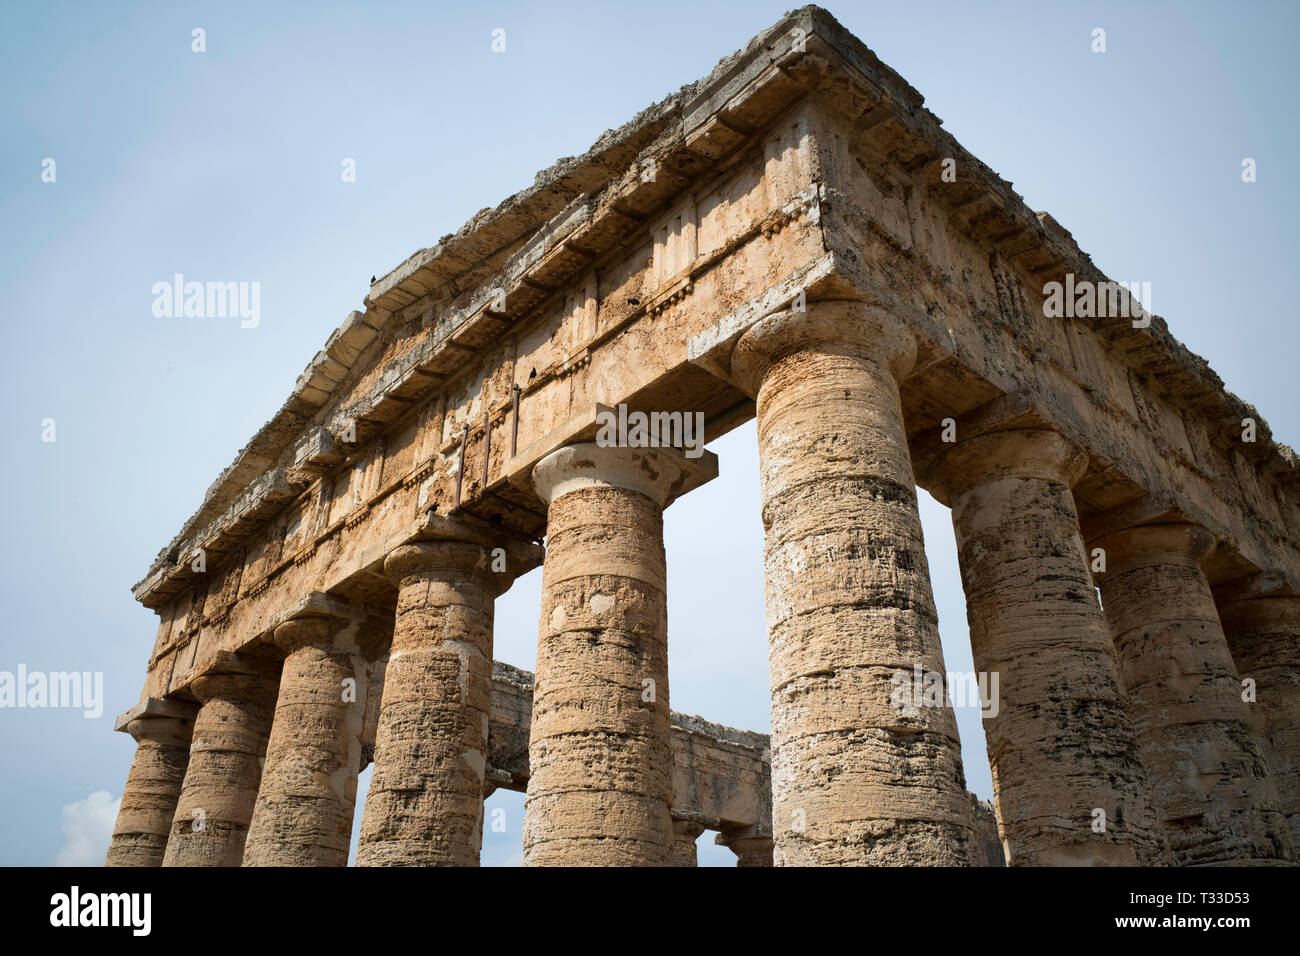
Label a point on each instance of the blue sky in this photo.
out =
(225, 165)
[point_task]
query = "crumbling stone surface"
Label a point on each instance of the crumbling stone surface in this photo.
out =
(144, 820)
(984, 818)
(685, 833)
(600, 784)
(216, 801)
(776, 240)
(425, 804)
(1067, 774)
(855, 779)
(305, 803)
(1211, 784)
(753, 847)
(1261, 633)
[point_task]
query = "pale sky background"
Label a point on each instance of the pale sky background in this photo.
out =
(225, 166)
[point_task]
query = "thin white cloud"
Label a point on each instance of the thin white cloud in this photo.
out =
(87, 830)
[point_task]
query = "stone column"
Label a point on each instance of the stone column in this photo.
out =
(858, 777)
(162, 730)
(600, 783)
(1210, 786)
(986, 828)
(686, 831)
(304, 810)
(425, 804)
(751, 846)
(1263, 632)
(220, 788)
(1064, 755)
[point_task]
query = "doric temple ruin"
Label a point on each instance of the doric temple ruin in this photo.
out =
(793, 238)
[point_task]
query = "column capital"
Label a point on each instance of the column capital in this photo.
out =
(661, 474)
(1253, 587)
(169, 731)
(331, 622)
(323, 631)
(851, 327)
(1210, 780)
(447, 559)
(425, 801)
(692, 823)
(464, 546)
(1041, 453)
(163, 730)
(600, 782)
(686, 830)
(1145, 545)
(1060, 743)
(752, 845)
(304, 807)
(236, 675)
(1273, 612)
(216, 800)
(153, 707)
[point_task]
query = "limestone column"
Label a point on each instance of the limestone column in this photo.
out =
(304, 810)
(856, 778)
(986, 828)
(685, 832)
(751, 846)
(1210, 785)
(225, 768)
(1263, 632)
(148, 806)
(600, 783)
(1068, 780)
(425, 803)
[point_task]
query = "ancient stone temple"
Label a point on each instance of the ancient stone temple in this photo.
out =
(796, 239)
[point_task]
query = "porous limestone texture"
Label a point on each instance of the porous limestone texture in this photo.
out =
(1211, 787)
(216, 801)
(600, 788)
(144, 819)
(425, 805)
(985, 819)
(685, 833)
(855, 778)
(1264, 636)
(752, 846)
(795, 237)
(1068, 779)
(304, 810)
